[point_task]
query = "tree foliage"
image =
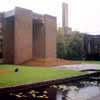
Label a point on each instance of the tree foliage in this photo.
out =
(71, 46)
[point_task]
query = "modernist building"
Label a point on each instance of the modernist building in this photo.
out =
(65, 15)
(92, 47)
(27, 35)
(66, 28)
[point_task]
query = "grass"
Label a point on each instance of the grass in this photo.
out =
(30, 75)
(90, 62)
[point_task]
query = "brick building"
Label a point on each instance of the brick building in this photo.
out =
(27, 35)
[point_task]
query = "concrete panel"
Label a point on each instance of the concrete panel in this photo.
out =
(8, 39)
(50, 36)
(38, 39)
(23, 35)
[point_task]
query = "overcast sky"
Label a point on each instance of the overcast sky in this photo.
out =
(84, 15)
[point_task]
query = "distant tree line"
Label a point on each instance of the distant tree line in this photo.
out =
(70, 46)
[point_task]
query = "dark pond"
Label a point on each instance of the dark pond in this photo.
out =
(85, 89)
(82, 91)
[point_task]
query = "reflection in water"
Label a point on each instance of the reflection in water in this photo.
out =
(84, 93)
(87, 92)
(85, 89)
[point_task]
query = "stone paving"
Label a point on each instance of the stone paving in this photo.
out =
(79, 67)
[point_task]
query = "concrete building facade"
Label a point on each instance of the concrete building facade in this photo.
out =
(92, 47)
(65, 18)
(65, 26)
(27, 35)
(65, 15)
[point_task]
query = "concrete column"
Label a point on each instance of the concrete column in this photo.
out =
(50, 36)
(38, 39)
(23, 35)
(8, 39)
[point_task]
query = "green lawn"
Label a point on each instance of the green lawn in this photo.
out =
(29, 74)
(90, 62)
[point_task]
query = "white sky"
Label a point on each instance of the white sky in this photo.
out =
(84, 15)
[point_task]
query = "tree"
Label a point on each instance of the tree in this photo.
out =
(74, 47)
(60, 44)
(71, 46)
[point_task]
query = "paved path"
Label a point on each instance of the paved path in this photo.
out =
(79, 66)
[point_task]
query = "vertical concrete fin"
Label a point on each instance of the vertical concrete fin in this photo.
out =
(23, 35)
(50, 36)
